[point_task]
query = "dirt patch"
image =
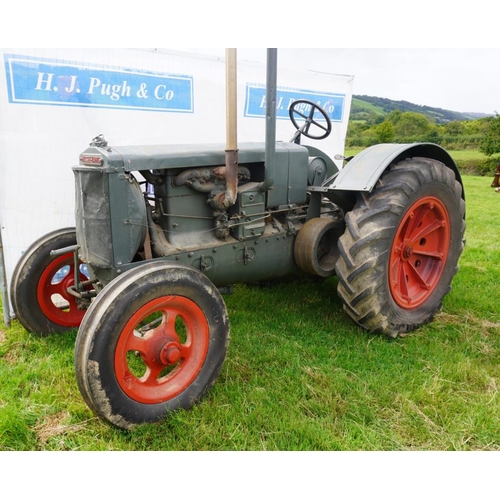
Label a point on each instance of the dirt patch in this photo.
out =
(53, 425)
(461, 320)
(489, 324)
(2, 336)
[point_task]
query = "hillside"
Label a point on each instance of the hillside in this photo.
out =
(365, 107)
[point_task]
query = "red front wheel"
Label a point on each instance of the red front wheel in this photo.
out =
(40, 282)
(153, 341)
(161, 349)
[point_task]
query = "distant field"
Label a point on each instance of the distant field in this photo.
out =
(369, 106)
(462, 155)
(299, 374)
(467, 155)
(469, 161)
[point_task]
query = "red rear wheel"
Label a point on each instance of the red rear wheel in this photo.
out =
(401, 247)
(419, 252)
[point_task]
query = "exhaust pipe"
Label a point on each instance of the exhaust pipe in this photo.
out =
(228, 198)
(271, 90)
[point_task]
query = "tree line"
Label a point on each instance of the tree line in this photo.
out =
(406, 127)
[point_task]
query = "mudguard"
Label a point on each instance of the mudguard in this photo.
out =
(363, 171)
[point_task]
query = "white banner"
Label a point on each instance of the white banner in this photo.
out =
(54, 101)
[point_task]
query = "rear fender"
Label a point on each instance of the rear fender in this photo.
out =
(364, 170)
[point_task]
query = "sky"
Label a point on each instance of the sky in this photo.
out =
(431, 53)
(455, 79)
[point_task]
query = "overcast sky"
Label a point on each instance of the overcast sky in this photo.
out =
(466, 80)
(457, 79)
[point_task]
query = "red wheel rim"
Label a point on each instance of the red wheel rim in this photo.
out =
(156, 362)
(419, 252)
(53, 298)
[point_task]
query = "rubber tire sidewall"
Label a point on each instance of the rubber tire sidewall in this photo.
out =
(25, 279)
(104, 322)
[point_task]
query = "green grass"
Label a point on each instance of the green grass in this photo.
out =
(468, 161)
(467, 155)
(458, 155)
(299, 374)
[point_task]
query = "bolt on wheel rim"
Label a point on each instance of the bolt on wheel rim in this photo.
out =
(419, 252)
(161, 349)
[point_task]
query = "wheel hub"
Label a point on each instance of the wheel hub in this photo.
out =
(408, 250)
(170, 353)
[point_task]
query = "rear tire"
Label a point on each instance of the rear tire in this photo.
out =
(131, 373)
(401, 247)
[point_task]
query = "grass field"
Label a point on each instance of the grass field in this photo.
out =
(299, 374)
(459, 155)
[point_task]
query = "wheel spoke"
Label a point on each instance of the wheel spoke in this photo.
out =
(135, 343)
(186, 351)
(418, 276)
(59, 288)
(169, 324)
(430, 228)
(414, 221)
(403, 284)
(432, 255)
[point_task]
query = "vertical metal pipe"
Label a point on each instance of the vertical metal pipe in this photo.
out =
(228, 198)
(3, 286)
(231, 103)
(271, 89)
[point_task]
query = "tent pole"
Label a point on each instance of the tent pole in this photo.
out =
(3, 285)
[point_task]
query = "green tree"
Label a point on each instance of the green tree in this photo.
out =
(476, 126)
(454, 128)
(412, 126)
(385, 132)
(490, 143)
(394, 116)
(433, 134)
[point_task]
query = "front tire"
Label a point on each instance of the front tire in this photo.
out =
(401, 247)
(153, 341)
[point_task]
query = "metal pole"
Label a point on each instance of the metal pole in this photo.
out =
(271, 90)
(228, 199)
(231, 102)
(3, 285)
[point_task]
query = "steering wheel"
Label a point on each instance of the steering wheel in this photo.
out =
(306, 109)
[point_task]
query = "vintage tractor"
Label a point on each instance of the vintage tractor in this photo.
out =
(162, 231)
